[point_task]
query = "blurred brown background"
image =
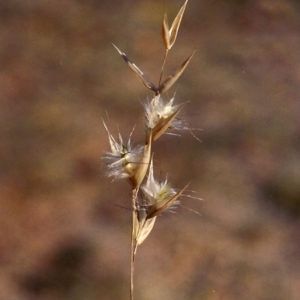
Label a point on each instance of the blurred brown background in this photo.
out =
(62, 235)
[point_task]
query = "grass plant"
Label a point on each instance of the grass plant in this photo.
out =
(149, 197)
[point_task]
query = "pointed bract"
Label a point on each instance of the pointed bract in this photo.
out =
(144, 225)
(141, 75)
(143, 165)
(145, 228)
(169, 35)
(165, 32)
(176, 23)
(166, 84)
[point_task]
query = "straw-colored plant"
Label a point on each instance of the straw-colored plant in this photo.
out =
(149, 197)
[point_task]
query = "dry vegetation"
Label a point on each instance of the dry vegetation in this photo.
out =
(62, 235)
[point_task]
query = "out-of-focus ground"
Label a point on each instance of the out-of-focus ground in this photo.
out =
(62, 235)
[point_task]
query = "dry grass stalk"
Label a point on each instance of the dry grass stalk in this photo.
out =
(125, 161)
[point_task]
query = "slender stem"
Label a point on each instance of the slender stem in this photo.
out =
(163, 66)
(133, 240)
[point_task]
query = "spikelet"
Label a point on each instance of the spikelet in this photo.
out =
(169, 35)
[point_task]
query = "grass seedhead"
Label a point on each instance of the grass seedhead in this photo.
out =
(159, 116)
(159, 196)
(134, 163)
(126, 161)
(165, 123)
(163, 204)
